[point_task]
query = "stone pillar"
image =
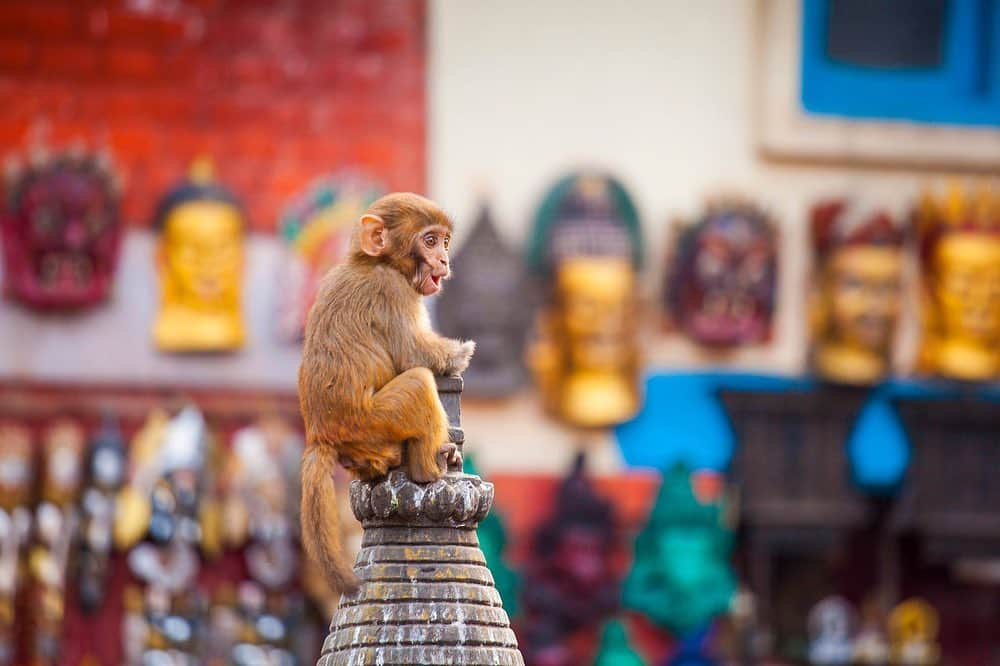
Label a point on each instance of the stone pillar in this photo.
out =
(426, 596)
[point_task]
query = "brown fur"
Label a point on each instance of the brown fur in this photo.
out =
(366, 382)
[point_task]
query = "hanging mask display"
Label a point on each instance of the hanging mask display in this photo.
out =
(960, 264)
(261, 500)
(106, 469)
(55, 529)
(200, 257)
(223, 624)
(260, 517)
(316, 228)
(61, 230)
(172, 629)
(720, 287)
(488, 302)
(168, 504)
(133, 507)
(586, 247)
(857, 269)
(16, 479)
(266, 623)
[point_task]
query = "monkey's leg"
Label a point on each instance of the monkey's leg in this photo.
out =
(410, 404)
(386, 457)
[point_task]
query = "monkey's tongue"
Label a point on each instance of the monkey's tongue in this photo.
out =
(436, 279)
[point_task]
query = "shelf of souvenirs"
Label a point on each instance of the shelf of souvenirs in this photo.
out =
(140, 523)
(189, 527)
(31, 399)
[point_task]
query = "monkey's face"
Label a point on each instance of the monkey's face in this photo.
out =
(431, 256)
(412, 235)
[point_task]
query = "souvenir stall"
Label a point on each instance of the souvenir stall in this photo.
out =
(164, 517)
(735, 393)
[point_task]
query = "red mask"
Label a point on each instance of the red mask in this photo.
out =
(61, 233)
(720, 291)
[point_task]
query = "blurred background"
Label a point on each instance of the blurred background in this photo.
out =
(733, 269)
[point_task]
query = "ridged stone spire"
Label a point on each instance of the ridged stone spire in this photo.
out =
(426, 596)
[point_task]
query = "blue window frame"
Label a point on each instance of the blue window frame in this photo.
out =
(938, 64)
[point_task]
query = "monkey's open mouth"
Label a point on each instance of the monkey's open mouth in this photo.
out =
(430, 283)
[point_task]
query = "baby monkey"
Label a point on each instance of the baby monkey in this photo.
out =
(366, 382)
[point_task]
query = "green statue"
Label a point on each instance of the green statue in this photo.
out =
(681, 576)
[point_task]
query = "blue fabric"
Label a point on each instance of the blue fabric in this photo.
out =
(878, 448)
(692, 649)
(682, 420)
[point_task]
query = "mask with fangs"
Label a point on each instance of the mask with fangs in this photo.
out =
(61, 231)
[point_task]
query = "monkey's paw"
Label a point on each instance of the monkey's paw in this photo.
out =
(449, 456)
(460, 360)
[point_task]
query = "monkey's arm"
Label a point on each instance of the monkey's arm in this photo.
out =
(444, 356)
(424, 348)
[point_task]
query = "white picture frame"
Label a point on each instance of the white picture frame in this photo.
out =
(784, 131)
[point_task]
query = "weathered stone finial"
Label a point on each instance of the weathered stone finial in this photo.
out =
(426, 596)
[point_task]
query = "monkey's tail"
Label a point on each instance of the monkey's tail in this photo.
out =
(320, 520)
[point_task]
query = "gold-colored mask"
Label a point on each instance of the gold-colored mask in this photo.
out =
(586, 360)
(960, 243)
(200, 257)
(856, 299)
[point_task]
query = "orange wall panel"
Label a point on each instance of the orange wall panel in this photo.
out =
(276, 93)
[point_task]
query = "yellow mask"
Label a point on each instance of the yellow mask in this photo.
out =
(962, 280)
(201, 265)
(587, 360)
(859, 302)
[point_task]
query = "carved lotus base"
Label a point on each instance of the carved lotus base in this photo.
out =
(455, 500)
(426, 596)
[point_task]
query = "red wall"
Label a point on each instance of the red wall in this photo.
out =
(276, 92)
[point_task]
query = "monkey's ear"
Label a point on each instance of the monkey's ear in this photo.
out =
(372, 235)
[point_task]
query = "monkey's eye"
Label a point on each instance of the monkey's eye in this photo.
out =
(447, 242)
(430, 240)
